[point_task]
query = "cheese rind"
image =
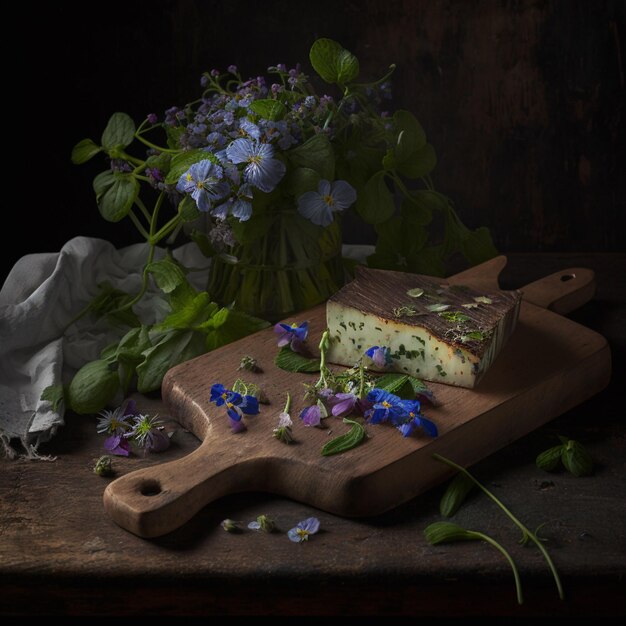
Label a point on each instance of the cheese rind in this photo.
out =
(434, 331)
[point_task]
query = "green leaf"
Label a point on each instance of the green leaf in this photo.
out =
(317, 154)
(375, 202)
(84, 150)
(183, 161)
(249, 389)
(455, 495)
(102, 182)
(347, 441)
(446, 532)
(119, 132)
(188, 209)
(291, 361)
(55, 395)
(236, 326)
(190, 314)
(391, 382)
(167, 274)
(218, 318)
(269, 109)
(576, 459)
(170, 350)
(419, 163)
(332, 62)
(94, 385)
(300, 180)
(477, 246)
(410, 136)
(549, 459)
(132, 345)
(116, 202)
(108, 300)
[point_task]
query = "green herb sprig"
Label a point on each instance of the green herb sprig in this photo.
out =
(572, 454)
(347, 441)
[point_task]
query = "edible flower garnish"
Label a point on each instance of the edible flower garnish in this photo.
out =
(301, 532)
(147, 432)
(414, 419)
(263, 523)
(293, 334)
(380, 355)
(282, 432)
(236, 405)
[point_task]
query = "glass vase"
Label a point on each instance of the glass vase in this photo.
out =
(281, 265)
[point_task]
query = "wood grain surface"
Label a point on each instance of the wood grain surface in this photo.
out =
(550, 364)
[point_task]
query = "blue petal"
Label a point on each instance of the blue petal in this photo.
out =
(216, 393)
(324, 187)
(312, 206)
(429, 427)
(234, 413)
(240, 150)
(294, 536)
(241, 209)
(343, 194)
(203, 201)
(311, 525)
(266, 174)
(407, 428)
(249, 405)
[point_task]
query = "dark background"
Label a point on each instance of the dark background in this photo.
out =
(522, 100)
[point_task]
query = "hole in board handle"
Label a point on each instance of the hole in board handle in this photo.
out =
(567, 277)
(150, 488)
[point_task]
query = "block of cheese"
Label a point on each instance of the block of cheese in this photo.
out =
(433, 330)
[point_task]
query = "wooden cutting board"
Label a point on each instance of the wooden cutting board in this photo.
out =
(549, 365)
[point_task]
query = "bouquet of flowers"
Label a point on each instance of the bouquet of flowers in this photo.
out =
(258, 172)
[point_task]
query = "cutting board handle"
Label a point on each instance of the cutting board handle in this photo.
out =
(562, 292)
(155, 500)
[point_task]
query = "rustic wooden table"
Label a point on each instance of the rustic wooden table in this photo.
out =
(61, 555)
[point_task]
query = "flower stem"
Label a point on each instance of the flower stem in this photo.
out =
(527, 534)
(154, 146)
(507, 556)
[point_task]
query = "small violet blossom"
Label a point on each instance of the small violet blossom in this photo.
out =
(313, 415)
(304, 529)
(262, 170)
(343, 404)
(380, 355)
(318, 206)
(204, 181)
(292, 334)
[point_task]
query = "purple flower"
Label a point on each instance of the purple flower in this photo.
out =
(293, 334)
(116, 422)
(232, 69)
(312, 415)
(262, 169)
(301, 532)
(117, 444)
(414, 419)
(147, 433)
(152, 118)
(318, 206)
(343, 404)
(380, 355)
(203, 180)
(387, 407)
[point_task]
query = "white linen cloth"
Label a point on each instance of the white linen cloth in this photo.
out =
(39, 346)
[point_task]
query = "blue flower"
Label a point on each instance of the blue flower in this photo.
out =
(236, 405)
(318, 206)
(262, 170)
(387, 407)
(292, 334)
(414, 419)
(242, 204)
(203, 180)
(301, 532)
(380, 355)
